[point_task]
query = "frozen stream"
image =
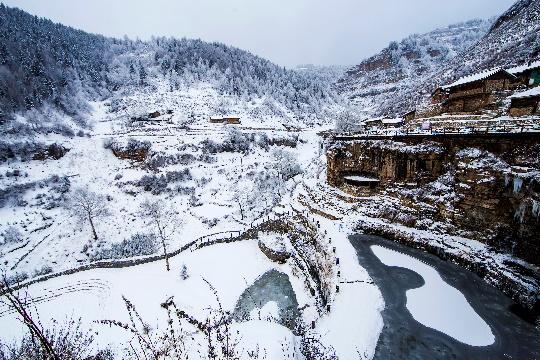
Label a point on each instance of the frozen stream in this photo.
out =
(437, 310)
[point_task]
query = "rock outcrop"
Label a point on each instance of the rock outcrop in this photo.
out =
(488, 187)
(275, 248)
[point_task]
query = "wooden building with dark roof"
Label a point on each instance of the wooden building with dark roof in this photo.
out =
(474, 93)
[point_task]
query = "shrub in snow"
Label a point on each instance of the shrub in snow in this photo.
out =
(235, 141)
(194, 201)
(12, 235)
(136, 245)
(17, 278)
(134, 144)
(184, 272)
(157, 160)
(185, 190)
(19, 149)
(109, 143)
(156, 184)
(15, 193)
(210, 222)
(45, 269)
(210, 146)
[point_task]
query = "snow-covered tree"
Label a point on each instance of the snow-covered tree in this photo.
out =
(285, 163)
(88, 206)
(164, 221)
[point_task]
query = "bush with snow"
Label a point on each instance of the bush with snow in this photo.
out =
(286, 164)
(136, 245)
(157, 184)
(131, 145)
(12, 235)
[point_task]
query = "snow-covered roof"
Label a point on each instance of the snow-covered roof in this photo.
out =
(527, 93)
(392, 121)
(475, 77)
(216, 117)
(519, 69)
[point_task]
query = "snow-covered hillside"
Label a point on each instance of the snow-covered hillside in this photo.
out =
(376, 84)
(403, 75)
(37, 70)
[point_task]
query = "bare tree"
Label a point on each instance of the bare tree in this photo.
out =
(164, 220)
(286, 164)
(348, 121)
(88, 206)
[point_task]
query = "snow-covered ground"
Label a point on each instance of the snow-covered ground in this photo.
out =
(220, 195)
(213, 187)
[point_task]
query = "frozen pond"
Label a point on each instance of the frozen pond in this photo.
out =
(437, 304)
(270, 297)
(437, 310)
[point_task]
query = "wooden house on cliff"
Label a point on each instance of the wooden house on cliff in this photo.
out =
(475, 92)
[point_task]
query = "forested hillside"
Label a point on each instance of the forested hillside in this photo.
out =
(46, 63)
(41, 61)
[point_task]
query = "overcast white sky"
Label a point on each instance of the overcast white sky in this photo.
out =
(288, 32)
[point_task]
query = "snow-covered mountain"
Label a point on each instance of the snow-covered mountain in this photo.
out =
(513, 39)
(43, 63)
(403, 75)
(375, 83)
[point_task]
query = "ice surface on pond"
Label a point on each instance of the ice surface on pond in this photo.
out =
(271, 295)
(437, 304)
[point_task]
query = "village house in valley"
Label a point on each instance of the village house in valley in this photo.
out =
(528, 74)
(225, 119)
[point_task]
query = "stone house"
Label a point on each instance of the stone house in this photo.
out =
(525, 103)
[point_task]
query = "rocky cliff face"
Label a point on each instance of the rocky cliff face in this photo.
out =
(485, 188)
(401, 67)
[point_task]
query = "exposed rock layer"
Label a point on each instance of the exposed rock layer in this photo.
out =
(494, 180)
